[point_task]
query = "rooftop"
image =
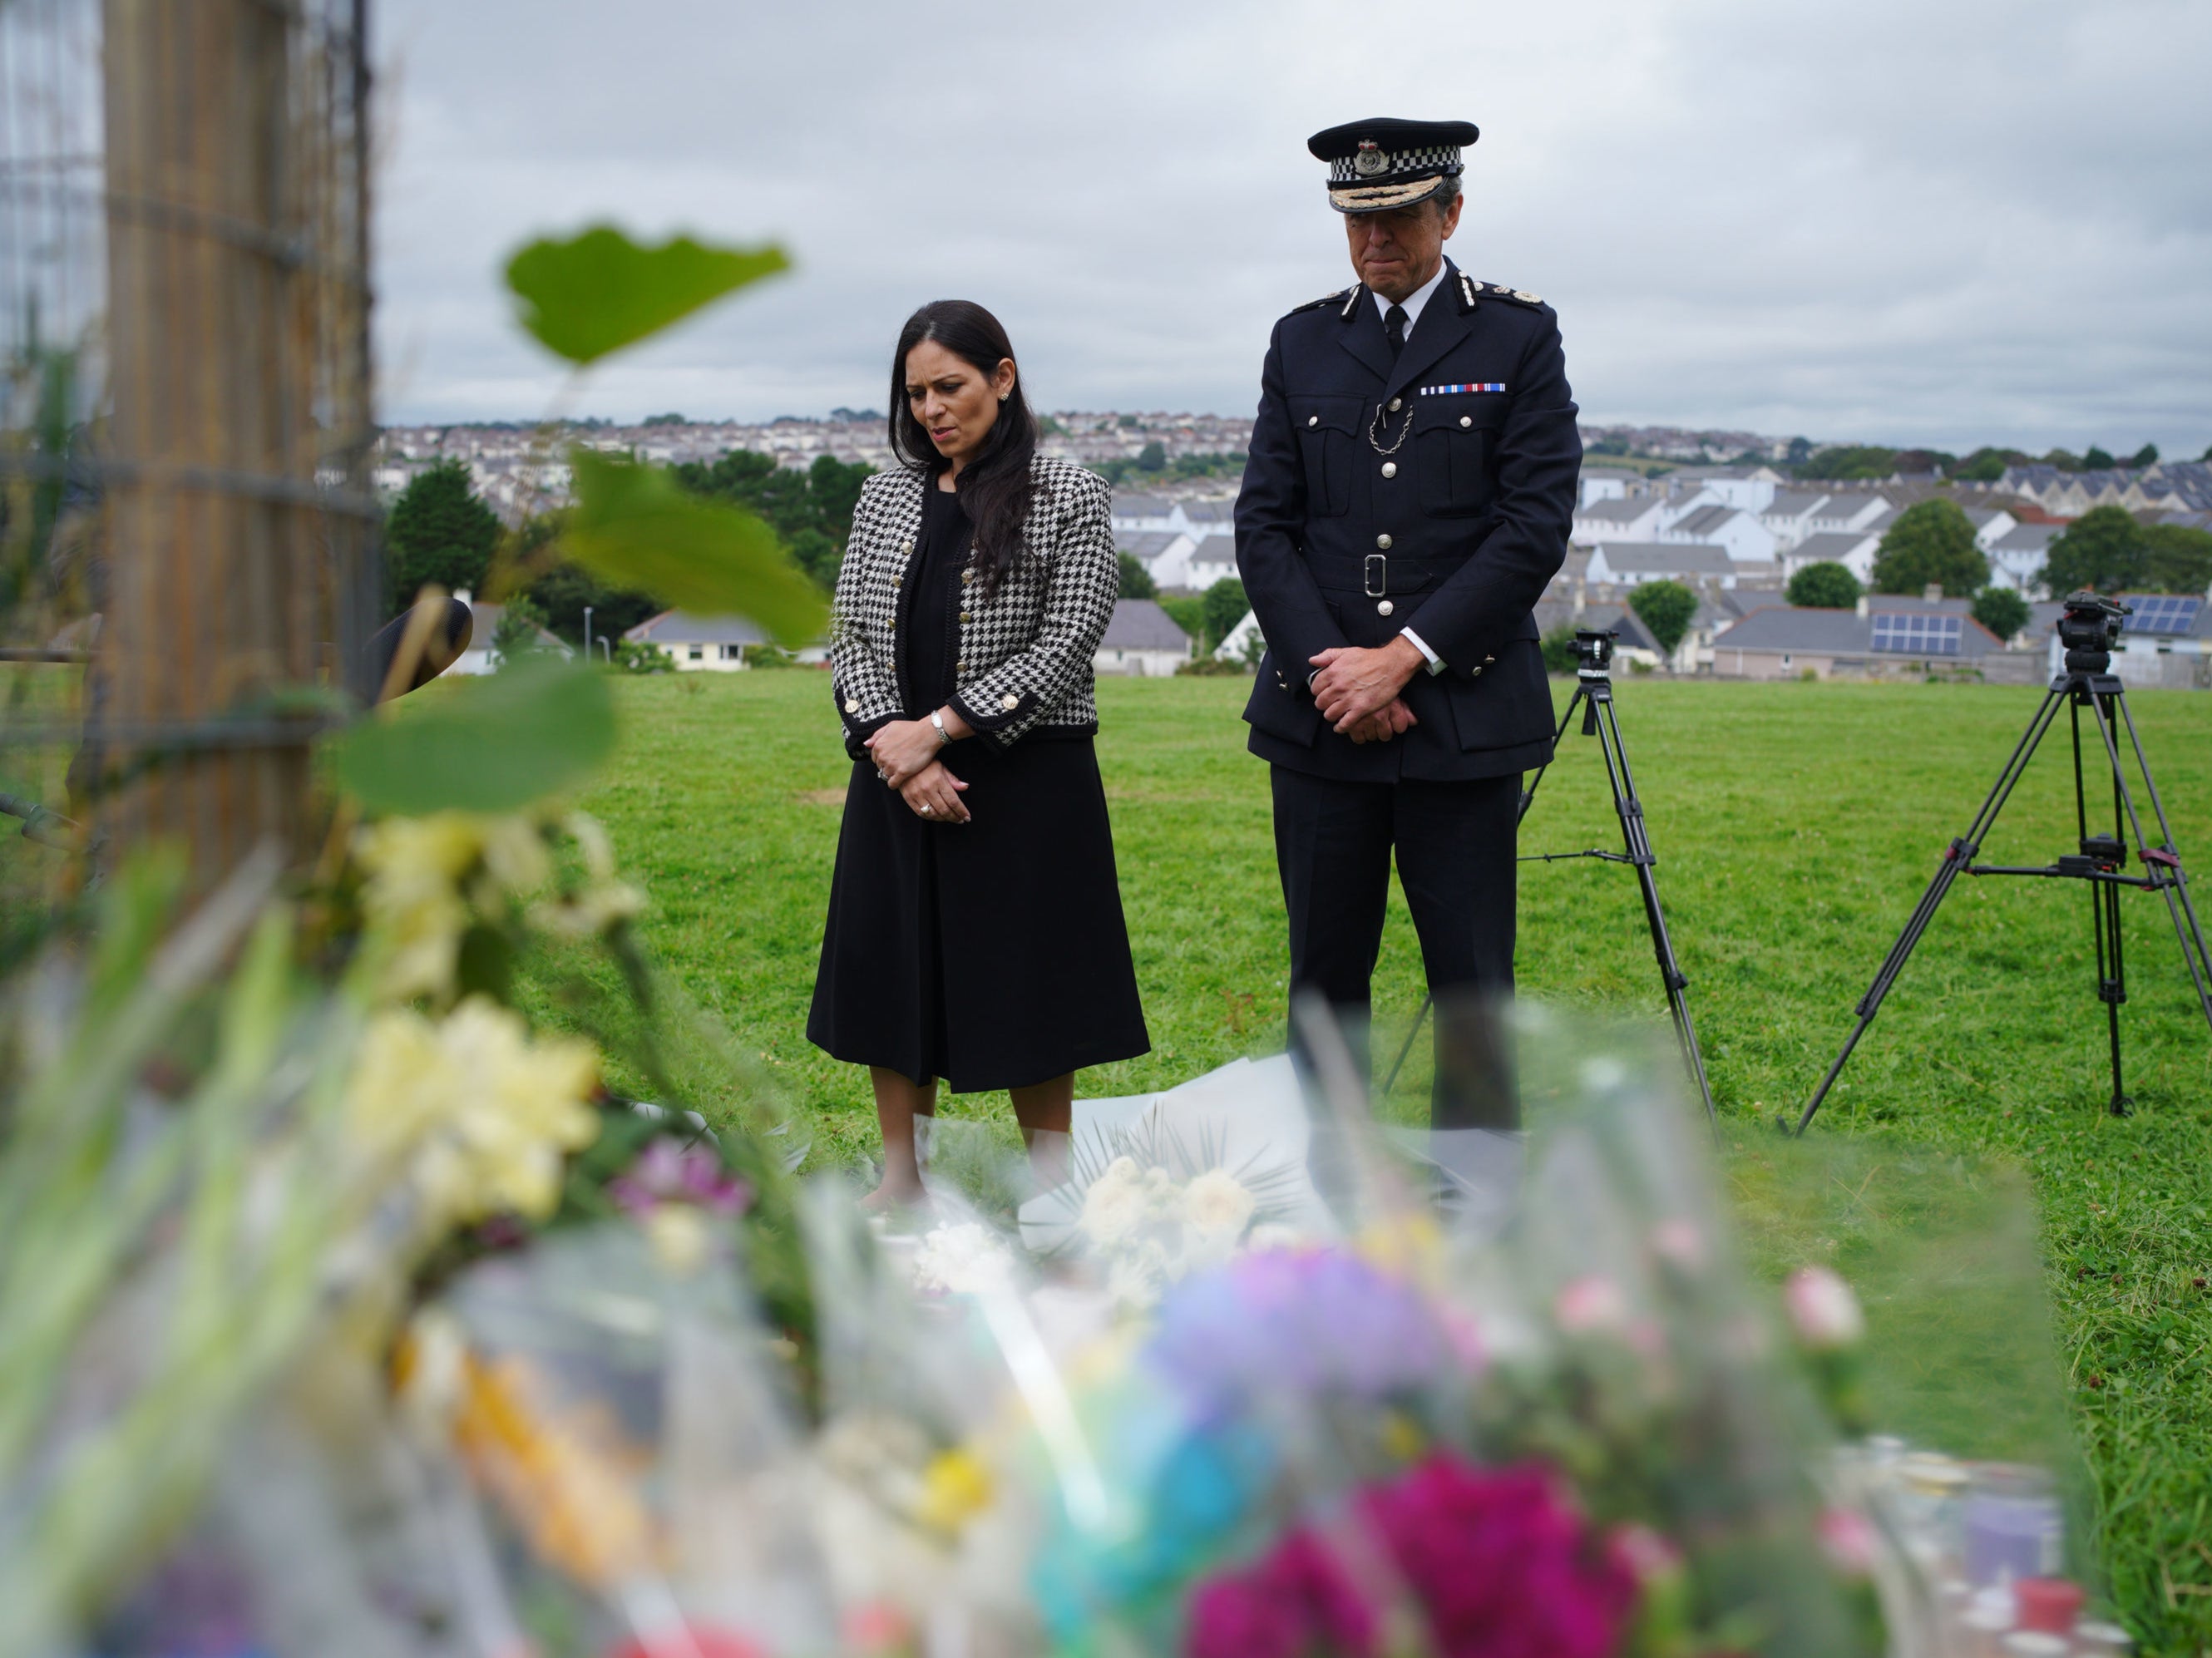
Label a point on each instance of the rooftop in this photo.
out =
(682, 628)
(1684, 557)
(1140, 624)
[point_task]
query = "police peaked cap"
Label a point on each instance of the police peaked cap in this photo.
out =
(1375, 165)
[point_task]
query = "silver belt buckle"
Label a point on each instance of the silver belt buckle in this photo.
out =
(1377, 575)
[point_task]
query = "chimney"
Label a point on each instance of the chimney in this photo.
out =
(1932, 591)
(1863, 606)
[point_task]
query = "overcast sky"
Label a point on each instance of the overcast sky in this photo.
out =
(1946, 221)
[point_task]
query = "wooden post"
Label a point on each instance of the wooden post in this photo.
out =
(228, 566)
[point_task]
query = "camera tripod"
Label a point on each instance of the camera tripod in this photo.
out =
(1593, 696)
(2101, 861)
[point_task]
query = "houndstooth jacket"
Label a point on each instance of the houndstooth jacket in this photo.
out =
(1025, 653)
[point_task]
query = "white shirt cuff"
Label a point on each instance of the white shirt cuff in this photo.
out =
(1436, 662)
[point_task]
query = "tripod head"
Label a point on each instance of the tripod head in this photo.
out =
(1593, 653)
(2089, 628)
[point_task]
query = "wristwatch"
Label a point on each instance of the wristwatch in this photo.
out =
(944, 737)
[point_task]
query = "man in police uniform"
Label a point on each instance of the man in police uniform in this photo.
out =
(1411, 482)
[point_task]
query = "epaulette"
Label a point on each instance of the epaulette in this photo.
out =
(1316, 304)
(1500, 291)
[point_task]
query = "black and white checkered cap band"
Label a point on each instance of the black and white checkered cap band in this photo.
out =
(1426, 162)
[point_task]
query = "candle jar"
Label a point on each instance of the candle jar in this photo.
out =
(2011, 1526)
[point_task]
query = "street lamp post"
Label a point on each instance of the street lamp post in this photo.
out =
(588, 635)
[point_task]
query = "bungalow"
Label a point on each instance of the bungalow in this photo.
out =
(1886, 637)
(714, 643)
(1141, 641)
(481, 657)
(1630, 563)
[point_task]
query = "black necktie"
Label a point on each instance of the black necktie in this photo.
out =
(1393, 325)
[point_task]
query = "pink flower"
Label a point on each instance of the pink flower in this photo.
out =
(667, 1172)
(1498, 1562)
(1847, 1538)
(1591, 1306)
(1645, 1552)
(1822, 1309)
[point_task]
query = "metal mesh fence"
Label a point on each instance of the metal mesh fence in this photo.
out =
(187, 534)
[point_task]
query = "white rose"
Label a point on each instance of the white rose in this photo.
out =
(1134, 1281)
(1217, 1202)
(961, 1260)
(1112, 1209)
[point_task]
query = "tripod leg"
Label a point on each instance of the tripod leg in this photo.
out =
(1636, 840)
(2104, 911)
(1960, 853)
(2174, 884)
(1420, 1016)
(1528, 794)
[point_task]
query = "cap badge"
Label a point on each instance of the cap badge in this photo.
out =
(1370, 160)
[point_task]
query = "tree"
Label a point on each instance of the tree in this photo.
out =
(517, 635)
(1136, 581)
(2094, 460)
(811, 511)
(560, 595)
(1851, 460)
(1665, 609)
(1153, 458)
(2104, 549)
(664, 420)
(1225, 607)
(1932, 544)
(2064, 460)
(439, 532)
(1559, 649)
(1987, 465)
(2146, 456)
(1911, 463)
(1823, 587)
(2180, 559)
(2001, 611)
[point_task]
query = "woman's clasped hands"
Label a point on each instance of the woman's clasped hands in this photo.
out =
(906, 753)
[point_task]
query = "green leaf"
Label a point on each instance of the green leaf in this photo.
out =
(491, 745)
(635, 526)
(602, 291)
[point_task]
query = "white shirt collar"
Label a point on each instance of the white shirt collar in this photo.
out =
(1414, 301)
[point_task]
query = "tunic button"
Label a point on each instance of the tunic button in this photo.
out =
(1383, 541)
(1010, 703)
(1313, 420)
(1383, 607)
(852, 705)
(1466, 420)
(1474, 673)
(1397, 403)
(1390, 469)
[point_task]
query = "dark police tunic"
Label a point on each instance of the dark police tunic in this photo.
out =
(1433, 491)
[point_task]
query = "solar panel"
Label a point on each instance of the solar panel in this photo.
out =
(2165, 613)
(1916, 634)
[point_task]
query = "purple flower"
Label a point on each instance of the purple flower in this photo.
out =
(1302, 1321)
(666, 1171)
(1497, 1565)
(1293, 1603)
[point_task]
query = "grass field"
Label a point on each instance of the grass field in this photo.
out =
(1796, 825)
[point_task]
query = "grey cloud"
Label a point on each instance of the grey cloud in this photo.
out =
(1941, 223)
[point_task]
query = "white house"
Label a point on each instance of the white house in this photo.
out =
(1142, 641)
(1854, 551)
(1790, 515)
(1630, 563)
(1840, 512)
(1242, 641)
(1747, 489)
(1618, 518)
(713, 643)
(1747, 540)
(1136, 513)
(1991, 525)
(1212, 557)
(1607, 484)
(2016, 557)
(1166, 554)
(481, 658)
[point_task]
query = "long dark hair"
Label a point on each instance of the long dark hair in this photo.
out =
(995, 487)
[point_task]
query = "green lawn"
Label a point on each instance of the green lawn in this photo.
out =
(1796, 825)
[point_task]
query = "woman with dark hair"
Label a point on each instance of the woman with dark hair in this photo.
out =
(975, 931)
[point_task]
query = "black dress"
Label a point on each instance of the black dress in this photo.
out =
(991, 953)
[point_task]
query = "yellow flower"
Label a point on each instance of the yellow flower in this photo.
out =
(413, 896)
(481, 1116)
(680, 1237)
(955, 1487)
